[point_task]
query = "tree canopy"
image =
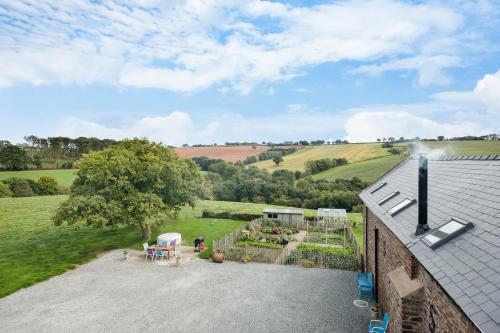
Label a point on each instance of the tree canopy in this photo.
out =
(133, 182)
(13, 157)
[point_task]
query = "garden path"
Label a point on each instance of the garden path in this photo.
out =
(298, 239)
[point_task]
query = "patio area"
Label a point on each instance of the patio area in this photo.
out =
(110, 294)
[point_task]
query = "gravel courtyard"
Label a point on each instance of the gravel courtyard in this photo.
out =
(113, 295)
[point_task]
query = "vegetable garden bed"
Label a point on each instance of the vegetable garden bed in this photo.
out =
(324, 257)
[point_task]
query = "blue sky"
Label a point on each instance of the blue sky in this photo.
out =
(217, 71)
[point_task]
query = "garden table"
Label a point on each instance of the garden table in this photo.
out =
(163, 248)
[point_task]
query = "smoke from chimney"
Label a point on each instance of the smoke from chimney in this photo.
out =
(422, 226)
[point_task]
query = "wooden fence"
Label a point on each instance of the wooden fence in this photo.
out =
(255, 254)
(229, 239)
(355, 246)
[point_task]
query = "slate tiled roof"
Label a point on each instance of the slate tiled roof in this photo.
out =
(467, 267)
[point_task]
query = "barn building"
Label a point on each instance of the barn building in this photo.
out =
(290, 216)
(432, 242)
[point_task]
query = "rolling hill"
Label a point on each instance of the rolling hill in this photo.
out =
(352, 152)
(367, 170)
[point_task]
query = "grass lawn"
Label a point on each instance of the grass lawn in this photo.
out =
(352, 152)
(358, 229)
(368, 171)
(64, 177)
(32, 249)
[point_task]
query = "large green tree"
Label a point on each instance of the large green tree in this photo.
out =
(13, 157)
(133, 182)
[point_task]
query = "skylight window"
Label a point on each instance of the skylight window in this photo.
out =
(402, 205)
(378, 187)
(445, 232)
(387, 198)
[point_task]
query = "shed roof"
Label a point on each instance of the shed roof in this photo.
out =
(294, 211)
(468, 266)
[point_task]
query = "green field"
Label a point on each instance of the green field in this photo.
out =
(33, 250)
(457, 148)
(368, 171)
(352, 152)
(64, 177)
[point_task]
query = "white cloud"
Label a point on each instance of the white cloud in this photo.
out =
(368, 126)
(449, 113)
(191, 45)
(296, 108)
(276, 128)
(488, 91)
(430, 68)
(172, 129)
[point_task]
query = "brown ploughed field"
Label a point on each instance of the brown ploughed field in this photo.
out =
(226, 153)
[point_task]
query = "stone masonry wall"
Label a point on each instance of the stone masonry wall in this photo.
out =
(432, 306)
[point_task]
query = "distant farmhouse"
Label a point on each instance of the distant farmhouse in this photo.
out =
(432, 240)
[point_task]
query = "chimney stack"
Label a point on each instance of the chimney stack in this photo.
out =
(422, 226)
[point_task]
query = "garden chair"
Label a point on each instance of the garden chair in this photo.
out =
(148, 252)
(377, 326)
(174, 244)
(159, 253)
(365, 285)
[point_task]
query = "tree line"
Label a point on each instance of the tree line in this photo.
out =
(235, 182)
(59, 152)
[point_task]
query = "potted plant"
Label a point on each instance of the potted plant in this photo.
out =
(246, 258)
(218, 256)
(374, 310)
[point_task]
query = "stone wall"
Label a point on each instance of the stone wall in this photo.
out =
(406, 290)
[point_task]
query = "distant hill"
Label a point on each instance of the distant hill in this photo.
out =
(371, 169)
(370, 161)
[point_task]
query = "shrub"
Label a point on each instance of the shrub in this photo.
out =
(47, 186)
(67, 165)
(207, 213)
(20, 187)
(5, 191)
(395, 151)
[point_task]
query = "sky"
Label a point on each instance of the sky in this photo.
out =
(217, 71)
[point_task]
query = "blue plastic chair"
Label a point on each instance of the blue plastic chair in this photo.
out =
(377, 326)
(365, 285)
(159, 253)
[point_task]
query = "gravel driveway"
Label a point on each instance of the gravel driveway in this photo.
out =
(113, 295)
